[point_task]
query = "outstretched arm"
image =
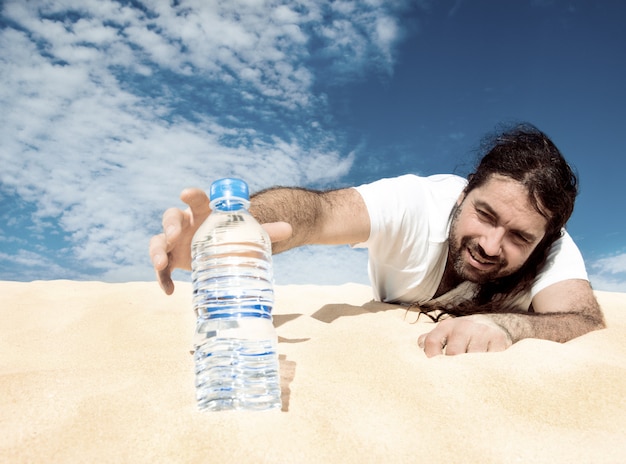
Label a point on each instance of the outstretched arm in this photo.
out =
(563, 311)
(334, 217)
(291, 216)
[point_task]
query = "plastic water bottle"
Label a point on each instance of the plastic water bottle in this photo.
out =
(235, 344)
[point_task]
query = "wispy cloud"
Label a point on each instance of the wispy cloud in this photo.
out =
(110, 108)
(609, 273)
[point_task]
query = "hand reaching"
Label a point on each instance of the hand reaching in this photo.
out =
(172, 248)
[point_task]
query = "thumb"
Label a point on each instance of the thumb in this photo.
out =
(198, 202)
(278, 231)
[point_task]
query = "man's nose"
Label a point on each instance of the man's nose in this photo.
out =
(491, 242)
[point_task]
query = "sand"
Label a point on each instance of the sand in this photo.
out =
(97, 372)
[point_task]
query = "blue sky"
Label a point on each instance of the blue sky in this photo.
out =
(110, 108)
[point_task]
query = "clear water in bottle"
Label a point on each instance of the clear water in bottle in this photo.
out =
(235, 344)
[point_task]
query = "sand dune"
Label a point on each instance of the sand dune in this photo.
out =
(95, 372)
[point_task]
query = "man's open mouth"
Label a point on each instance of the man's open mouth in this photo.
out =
(478, 259)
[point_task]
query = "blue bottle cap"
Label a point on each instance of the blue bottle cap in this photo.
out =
(229, 188)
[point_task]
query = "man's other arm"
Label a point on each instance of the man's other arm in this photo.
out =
(562, 311)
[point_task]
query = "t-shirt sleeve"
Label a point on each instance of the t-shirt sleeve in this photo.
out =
(408, 233)
(386, 201)
(564, 262)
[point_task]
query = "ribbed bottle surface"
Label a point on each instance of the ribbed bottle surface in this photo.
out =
(235, 344)
(235, 371)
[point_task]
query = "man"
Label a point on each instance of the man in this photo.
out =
(491, 251)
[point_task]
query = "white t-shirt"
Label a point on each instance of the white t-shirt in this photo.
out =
(408, 242)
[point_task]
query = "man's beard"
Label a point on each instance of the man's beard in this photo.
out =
(462, 268)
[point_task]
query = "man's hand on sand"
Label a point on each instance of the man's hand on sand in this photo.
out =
(467, 334)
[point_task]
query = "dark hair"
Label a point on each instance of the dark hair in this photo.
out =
(526, 155)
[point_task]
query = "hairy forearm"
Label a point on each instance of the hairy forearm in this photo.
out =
(558, 327)
(333, 217)
(301, 208)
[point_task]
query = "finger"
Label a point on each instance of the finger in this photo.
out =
(278, 231)
(161, 263)
(433, 343)
(498, 344)
(158, 252)
(164, 277)
(173, 222)
(478, 345)
(198, 202)
(457, 343)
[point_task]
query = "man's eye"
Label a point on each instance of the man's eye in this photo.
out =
(484, 215)
(520, 238)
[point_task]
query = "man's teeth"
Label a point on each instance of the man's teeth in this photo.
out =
(478, 259)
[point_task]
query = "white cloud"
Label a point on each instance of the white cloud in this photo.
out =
(608, 283)
(609, 274)
(108, 112)
(321, 265)
(613, 264)
(27, 265)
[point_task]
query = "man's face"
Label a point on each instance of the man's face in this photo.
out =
(494, 230)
